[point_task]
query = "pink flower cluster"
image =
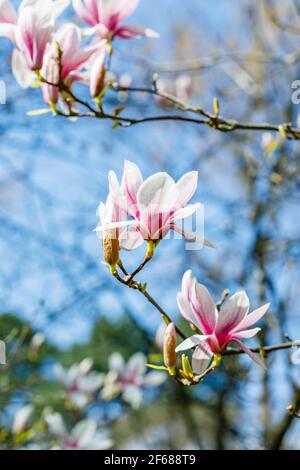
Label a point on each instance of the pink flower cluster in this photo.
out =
(148, 210)
(56, 55)
(216, 328)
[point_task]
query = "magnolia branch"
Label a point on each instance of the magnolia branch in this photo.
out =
(129, 281)
(190, 113)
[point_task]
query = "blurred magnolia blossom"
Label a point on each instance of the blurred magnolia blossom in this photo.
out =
(129, 378)
(21, 419)
(79, 381)
(218, 329)
(85, 435)
(105, 18)
(160, 336)
(153, 207)
(295, 357)
(37, 342)
(181, 87)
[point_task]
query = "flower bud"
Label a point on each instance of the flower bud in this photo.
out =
(170, 357)
(97, 75)
(111, 246)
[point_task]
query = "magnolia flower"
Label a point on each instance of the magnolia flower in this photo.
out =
(231, 324)
(154, 205)
(129, 379)
(73, 56)
(31, 30)
(9, 15)
(114, 234)
(105, 16)
(80, 383)
(33, 33)
(21, 419)
(84, 436)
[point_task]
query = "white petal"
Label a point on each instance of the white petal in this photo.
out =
(56, 425)
(187, 186)
(185, 308)
(154, 379)
(116, 362)
(134, 396)
(158, 191)
(136, 365)
(84, 431)
(24, 76)
(191, 342)
(201, 358)
(232, 313)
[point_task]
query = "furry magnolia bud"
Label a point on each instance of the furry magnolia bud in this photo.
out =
(170, 357)
(111, 246)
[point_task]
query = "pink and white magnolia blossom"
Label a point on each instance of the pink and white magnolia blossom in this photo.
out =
(106, 16)
(84, 436)
(231, 324)
(73, 56)
(21, 419)
(30, 29)
(79, 381)
(129, 379)
(113, 221)
(154, 205)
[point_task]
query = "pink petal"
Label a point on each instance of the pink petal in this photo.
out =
(131, 182)
(114, 11)
(193, 237)
(201, 358)
(185, 212)
(185, 308)
(134, 32)
(24, 76)
(86, 13)
(116, 193)
(130, 239)
(247, 333)
(8, 13)
(254, 317)
(231, 315)
(187, 283)
(253, 356)
(204, 309)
